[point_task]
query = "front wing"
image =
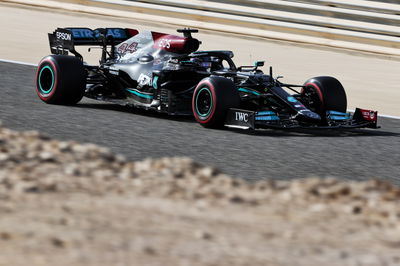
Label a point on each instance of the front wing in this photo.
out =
(245, 119)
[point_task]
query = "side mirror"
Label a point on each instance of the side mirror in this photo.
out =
(259, 63)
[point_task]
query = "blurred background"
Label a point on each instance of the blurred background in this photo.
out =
(65, 203)
(357, 40)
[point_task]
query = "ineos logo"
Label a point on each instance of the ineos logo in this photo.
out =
(239, 116)
(64, 36)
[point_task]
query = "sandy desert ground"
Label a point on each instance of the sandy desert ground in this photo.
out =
(65, 203)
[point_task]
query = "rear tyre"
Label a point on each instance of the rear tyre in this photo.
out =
(60, 79)
(211, 100)
(321, 94)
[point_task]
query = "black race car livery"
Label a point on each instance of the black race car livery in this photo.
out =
(167, 73)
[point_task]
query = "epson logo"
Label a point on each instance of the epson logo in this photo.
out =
(244, 117)
(64, 36)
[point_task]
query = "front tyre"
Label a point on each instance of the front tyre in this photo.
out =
(60, 79)
(321, 94)
(212, 99)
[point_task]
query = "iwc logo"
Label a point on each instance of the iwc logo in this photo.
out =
(243, 117)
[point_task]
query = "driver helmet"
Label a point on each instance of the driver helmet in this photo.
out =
(204, 61)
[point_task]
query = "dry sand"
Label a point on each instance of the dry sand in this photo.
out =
(65, 203)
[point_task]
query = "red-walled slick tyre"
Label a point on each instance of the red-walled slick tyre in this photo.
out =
(321, 94)
(211, 100)
(60, 79)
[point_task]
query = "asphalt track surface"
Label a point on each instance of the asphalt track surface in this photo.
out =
(358, 155)
(371, 81)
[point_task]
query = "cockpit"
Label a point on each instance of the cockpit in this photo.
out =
(213, 60)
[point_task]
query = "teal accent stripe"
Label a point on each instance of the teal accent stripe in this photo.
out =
(155, 80)
(40, 80)
(249, 91)
(267, 118)
(266, 113)
(335, 113)
(335, 117)
(140, 94)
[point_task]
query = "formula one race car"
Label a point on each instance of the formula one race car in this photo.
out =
(165, 73)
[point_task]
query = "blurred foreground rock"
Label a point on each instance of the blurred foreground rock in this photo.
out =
(66, 203)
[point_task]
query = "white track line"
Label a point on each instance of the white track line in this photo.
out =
(17, 62)
(390, 116)
(30, 64)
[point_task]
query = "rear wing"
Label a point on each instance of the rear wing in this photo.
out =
(64, 40)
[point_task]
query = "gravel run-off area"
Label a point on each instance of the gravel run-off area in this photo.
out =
(66, 203)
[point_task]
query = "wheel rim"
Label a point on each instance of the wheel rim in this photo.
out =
(311, 99)
(46, 80)
(204, 102)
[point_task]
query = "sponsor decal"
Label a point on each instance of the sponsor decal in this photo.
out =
(144, 80)
(243, 117)
(165, 43)
(122, 48)
(240, 118)
(88, 33)
(116, 33)
(63, 36)
(365, 115)
(132, 47)
(291, 99)
(130, 50)
(127, 48)
(368, 115)
(82, 33)
(372, 115)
